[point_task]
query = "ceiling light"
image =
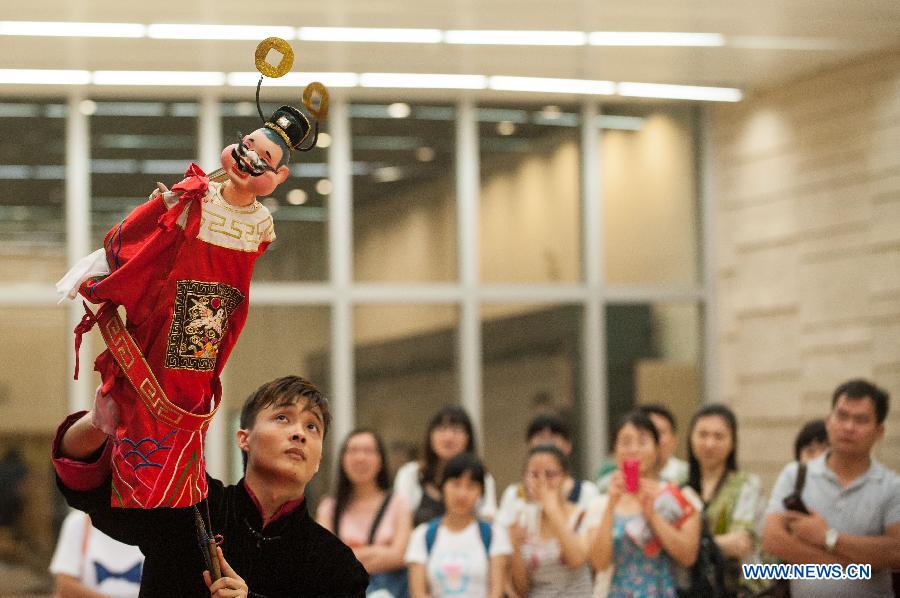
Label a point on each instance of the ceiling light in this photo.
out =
(399, 110)
(549, 85)
(324, 140)
(235, 32)
(324, 187)
(680, 92)
(387, 174)
(44, 76)
(244, 108)
(180, 78)
(297, 197)
(654, 38)
(506, 127)
(364, 34)
(250, 79)
(551, 112)
(65, 29)
(414, 80)
(518, 38)
(425, 154)
(87, 107)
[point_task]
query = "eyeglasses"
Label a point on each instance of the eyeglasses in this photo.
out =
(546, 473)
(248, 160)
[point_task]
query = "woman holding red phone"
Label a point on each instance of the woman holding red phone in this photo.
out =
(645, 526)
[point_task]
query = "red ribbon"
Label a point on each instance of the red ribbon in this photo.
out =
(87, 322)
(194, 185)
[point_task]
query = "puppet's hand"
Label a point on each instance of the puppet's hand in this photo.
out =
(162, 188)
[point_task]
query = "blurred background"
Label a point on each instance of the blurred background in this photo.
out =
(514, 206)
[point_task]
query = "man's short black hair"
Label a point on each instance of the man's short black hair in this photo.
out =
(549, 421)
(660, 410)
(858, 388)
(812, 431)
(462, 464)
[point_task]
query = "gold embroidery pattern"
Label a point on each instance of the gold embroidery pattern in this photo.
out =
(239, 228)
(199, 323)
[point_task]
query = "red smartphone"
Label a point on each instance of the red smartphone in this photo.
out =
(631, 470)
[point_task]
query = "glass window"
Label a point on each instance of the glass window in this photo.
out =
(404, 204)
(649, 186)
(530, 194)
(406, 369)
(653, 356)
(298, 205)
(531, 360)
(133, 145)
(32, 200)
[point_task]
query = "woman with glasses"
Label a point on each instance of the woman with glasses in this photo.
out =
(366, 515)
(549, 553)
(644, 527)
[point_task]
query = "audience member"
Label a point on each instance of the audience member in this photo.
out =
(548, 429)
(449, 433)
(457, 554)
(852, 500)
(87, 562)
(549, 553)
(643, 527)
(366, 515)
(812, 441)
(731, 497)
(672, 469)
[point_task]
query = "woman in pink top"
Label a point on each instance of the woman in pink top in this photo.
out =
(366, 516)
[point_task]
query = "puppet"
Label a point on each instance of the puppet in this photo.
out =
(180, 266)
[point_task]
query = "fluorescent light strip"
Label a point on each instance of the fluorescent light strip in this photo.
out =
(651, 38)
(66, 29)
(250, 79)
(44, 77)
(364, 34)
(413, 80)
(382, 80)
(518, 38)
(234, 32)
(185, 78)
(679, 92)
(550, 85)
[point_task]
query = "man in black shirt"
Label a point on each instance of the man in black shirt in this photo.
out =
(270, 547)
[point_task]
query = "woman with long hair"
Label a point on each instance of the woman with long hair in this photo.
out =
(731, 498)
(449, 433)
(366, 515)
(549, 556)
(645, 527)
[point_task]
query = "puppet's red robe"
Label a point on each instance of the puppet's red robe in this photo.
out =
(180, 266)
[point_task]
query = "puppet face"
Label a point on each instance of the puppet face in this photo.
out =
(252, 166)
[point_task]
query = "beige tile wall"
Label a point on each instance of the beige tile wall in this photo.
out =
(807, 201)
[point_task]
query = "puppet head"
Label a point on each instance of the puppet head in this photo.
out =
(257, 163)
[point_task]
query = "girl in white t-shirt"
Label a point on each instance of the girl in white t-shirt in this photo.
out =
(458, 554)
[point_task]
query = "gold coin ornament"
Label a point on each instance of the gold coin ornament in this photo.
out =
(315, 98)
(284, 65)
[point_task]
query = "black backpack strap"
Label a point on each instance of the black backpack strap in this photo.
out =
(801, 479)
(379, 516)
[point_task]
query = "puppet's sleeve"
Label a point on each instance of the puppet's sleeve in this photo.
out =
(85, 486)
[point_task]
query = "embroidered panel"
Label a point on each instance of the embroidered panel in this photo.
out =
(200, 320)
